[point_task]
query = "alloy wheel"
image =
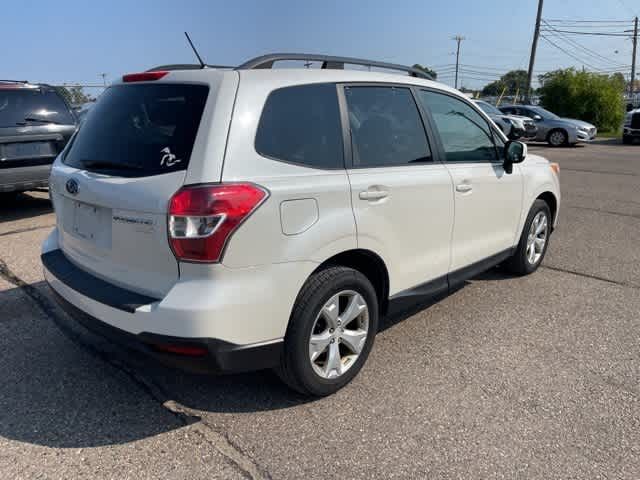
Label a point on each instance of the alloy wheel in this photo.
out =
(557, 138)
(339, 334)
(537, 238)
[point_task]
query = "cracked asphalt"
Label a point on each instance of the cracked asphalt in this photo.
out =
(534, 377)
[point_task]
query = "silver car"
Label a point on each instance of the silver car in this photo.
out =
(553, 129)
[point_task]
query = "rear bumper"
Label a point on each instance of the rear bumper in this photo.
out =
(17, 179)
(213, 356)
(239, 315)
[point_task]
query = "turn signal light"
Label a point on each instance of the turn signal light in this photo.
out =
(555, 167)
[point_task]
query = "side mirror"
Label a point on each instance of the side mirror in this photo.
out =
(537, 117)
(514, 152)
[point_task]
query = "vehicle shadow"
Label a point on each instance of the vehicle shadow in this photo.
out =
(61, 386)
(24, 205)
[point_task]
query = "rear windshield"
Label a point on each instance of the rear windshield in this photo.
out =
(32, 106)
(139, 130)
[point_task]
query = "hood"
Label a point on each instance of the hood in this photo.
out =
(521, 117)
(578, 123)
(534, 160)
(514, 119)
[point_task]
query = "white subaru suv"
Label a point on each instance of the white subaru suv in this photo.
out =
(246, 218)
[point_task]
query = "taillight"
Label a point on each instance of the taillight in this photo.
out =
(203, 218)
(144, 76)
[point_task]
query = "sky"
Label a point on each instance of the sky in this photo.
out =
(75, 41)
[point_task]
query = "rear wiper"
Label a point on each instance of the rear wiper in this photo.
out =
(36, 119)
(107, 165)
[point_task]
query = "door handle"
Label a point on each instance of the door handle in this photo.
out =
(464, 187)
(373, 194)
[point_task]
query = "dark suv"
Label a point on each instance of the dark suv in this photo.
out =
(35, 124)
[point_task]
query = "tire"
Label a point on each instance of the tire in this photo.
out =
(557, 138)
(521, 263)
(627, 140)
(317, 378)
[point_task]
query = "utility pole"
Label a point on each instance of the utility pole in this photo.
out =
(458, 39)
(633, 59)
(534, 47)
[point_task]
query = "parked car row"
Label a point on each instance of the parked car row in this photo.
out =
(513, 126)
(553, 129)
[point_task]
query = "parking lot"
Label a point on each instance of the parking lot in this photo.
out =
(534, 377)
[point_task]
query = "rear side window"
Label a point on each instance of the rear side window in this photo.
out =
(301, 125)
(465, 135)
(386, 128)
(33, 106)
(139, 130)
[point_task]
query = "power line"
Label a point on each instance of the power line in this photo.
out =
(568, 53)
(603, 34)
(567, 20)
(595, 55)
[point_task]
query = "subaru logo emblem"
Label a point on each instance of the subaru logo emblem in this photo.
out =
(72, 186)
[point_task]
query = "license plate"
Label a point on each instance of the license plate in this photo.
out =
(86, 221)
(16, 151)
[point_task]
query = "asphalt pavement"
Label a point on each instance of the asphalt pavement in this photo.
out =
(533, 377)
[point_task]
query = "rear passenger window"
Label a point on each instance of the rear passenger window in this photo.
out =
(386, 128)
(301, 125)
(465, 134)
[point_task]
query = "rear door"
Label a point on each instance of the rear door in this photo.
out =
(113, 184)
(401, 196)
(488, 201)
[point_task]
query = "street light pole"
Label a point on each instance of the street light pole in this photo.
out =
(458, 39)
(534, 47)
(633, 59)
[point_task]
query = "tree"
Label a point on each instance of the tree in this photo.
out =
(511, 82)
(592, 97)
(431, 72)
(74, 95)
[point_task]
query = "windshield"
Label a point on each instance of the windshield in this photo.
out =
(139, 130)
(489, 109)
(546, 114)
(32, 106)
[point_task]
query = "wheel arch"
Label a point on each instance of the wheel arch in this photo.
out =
(550, 199)
(370, 264)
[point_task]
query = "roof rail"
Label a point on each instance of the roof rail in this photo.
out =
(328, 62)
(14, 81)
(184, 66)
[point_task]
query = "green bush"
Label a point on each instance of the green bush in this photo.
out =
(592, 97)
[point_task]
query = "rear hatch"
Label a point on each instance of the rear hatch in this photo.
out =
(111, 187)
(35, 125)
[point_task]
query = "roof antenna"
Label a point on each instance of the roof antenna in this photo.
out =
(202, 64)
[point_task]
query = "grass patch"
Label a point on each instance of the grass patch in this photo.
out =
(609, 133)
